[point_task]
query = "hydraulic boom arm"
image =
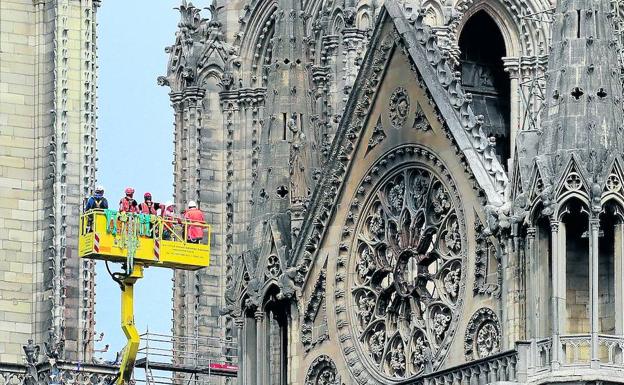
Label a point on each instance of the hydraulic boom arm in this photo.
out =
(128, 327)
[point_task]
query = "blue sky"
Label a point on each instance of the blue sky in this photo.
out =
(135, 145)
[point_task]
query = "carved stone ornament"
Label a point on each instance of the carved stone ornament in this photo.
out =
(322, 371)
(484, 253)
(315, 304)
(420, 121)
(399, 107)
(404, 272)
(377, 136)
(483, 335)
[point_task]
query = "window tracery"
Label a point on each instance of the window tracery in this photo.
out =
(322, 371)
(406, 271)
(483, 335)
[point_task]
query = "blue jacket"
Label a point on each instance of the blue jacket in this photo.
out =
(96, 203)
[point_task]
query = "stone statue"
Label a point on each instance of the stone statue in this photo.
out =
(32, 358)
(299, 183)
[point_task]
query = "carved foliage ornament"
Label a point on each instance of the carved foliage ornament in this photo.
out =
(483, 335)
(312, 309)
(322, 371)
(406, 272)
(399, 107)
(377, 136)
(485, 255)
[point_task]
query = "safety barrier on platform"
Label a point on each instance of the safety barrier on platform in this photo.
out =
(199, 360)
(150, 240)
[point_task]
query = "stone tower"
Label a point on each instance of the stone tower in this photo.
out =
(219, 72)
(47, 167)
(568, 183)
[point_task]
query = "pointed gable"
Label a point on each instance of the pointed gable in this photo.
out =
(410, 171)
(439, 92)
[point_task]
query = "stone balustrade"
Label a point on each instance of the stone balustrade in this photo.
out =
(533, 362)
(540, 360)
(62, 372)
(496, 368)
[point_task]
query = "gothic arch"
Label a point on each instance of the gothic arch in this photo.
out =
(520, 38)
(338, 23)
(209, 73)
(484, 76)
(569, 200)
(433, 10)
(257, 34)
(364, 17)
(614, 199)
(505, 23)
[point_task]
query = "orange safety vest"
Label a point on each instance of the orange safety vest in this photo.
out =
(144, 208)
(194, 215)
(126, 205)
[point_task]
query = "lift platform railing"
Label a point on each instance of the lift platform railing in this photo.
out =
(186, 360)
(150, 240)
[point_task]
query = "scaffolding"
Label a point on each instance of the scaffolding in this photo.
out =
(532, 96)
(531, 90)
(618, 20)
(207, 363)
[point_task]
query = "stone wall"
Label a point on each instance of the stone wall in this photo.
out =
(47, 165)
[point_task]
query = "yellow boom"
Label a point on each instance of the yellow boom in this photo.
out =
(127, 325)
(139, 241)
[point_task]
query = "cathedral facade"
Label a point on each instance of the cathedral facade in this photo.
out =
(404, 191)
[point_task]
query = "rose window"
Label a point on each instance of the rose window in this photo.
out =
(406, 273)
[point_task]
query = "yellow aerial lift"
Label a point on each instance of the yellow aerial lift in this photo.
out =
(138, 241)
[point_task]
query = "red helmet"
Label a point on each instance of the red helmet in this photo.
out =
(129, 191)
(147, 195)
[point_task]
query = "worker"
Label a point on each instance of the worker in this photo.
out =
(148, 207)
(97, 201)
(167, 211)
(128, 204)
(194, 233)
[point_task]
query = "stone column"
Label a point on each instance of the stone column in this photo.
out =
(532, 321)
(260, 346)
(242, 346)
(352, 39)
(512, 67)
(594, 228)
(250, 350)
(618, 256)
(558, 295)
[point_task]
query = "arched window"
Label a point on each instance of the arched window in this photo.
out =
(482, 49)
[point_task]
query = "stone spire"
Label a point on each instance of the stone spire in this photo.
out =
(286, 145)
(582, 115)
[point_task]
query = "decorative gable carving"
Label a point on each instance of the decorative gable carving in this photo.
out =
(483, 335)
(314, 328)
(420, 121)
(485, 258)
(377, 136)
(399, 107)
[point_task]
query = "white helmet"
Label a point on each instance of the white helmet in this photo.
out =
(192, 204)
(169, 203)
(99, 188)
